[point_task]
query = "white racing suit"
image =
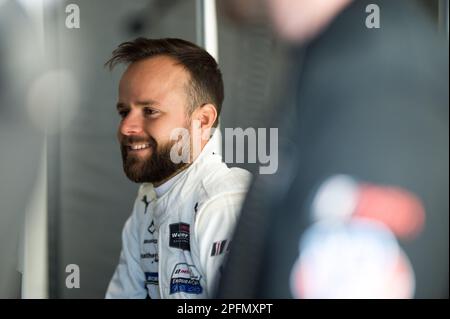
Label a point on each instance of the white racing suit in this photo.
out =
(174, 246)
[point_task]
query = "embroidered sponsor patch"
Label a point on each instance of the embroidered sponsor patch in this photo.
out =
(179, 236)
(185, 278)
(151, 278)
(152, 256)
(218, 247)
(151, 229)
(150, 250)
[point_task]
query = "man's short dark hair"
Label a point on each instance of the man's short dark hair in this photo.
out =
(206, 85)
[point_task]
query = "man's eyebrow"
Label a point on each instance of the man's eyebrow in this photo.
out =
(121, 105)
(147, 103)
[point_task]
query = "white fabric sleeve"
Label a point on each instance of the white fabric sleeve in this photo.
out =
(214, 227)
(128, 280)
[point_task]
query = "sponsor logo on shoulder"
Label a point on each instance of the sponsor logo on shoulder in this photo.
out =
(218, 248)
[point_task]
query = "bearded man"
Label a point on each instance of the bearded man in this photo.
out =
(175, 241)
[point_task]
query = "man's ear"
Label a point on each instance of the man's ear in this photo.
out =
(206, 115)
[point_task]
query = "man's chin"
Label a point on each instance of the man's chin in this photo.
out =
(138, 173)
(134, 171)
(134, 176)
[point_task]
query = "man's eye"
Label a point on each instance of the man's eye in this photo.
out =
(148, 111)
(123, 113)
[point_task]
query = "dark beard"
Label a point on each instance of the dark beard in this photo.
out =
(153, 169)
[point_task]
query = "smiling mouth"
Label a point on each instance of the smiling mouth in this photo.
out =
(138, 147)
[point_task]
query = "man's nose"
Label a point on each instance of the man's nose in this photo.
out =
(131, 124)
